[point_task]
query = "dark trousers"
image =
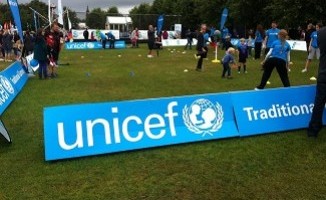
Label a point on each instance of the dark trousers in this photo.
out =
(3, 52)
(202, 54)
(111, 42)
(226, 69)
(103, 44)
(307, 45)
(316, 122)
(189, 43)
(43, 69)
(269, 66)
(258, 46)
(267, 50)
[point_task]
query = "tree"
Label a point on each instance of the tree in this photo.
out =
(140, 16)
(73, 18)
(187, 19)
(96, 19)
(113, 11)
(292, 13)
(27, 15)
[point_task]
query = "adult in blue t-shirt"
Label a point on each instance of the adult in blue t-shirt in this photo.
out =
(271, 36)
(111, 39)
(313, 47)
(278, 56)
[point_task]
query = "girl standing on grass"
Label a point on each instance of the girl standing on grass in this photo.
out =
(278, 56)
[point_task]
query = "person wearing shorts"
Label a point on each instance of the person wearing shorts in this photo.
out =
(243, 55)
(313, 48)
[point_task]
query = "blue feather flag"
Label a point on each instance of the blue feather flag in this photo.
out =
(14, 7)
(224, 17)
(160, 22)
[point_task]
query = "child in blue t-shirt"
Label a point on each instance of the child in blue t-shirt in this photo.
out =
(228, 60)
(243, 55)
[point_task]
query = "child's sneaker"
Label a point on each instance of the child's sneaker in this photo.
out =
(196, 57)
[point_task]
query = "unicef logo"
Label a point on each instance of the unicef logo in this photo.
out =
(203, 117)
(90, 45)
(6, 84)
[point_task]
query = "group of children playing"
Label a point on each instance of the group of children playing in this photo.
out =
(228, 60)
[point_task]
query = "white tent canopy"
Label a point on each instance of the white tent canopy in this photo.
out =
(123, 24)
(118, 20)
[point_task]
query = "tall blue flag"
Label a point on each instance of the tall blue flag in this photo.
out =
(13, 4)
(224, 16)
(160, 22)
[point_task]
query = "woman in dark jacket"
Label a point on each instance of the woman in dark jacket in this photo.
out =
(40, 53)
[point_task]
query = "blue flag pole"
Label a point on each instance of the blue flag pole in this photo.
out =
(13, 4)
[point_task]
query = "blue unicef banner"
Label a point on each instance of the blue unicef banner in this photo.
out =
(159, 24)
(272, 110)
(119, 44)
(92, 129)
(12, 80)
(13, 4)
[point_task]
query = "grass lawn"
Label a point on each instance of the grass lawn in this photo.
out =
(285, 165)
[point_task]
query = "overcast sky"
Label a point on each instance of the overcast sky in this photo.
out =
(80, 5)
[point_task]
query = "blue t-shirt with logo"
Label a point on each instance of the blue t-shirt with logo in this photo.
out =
(272, 35)
(280, 50)
(313, 37)
(243, 49)
(259, 37)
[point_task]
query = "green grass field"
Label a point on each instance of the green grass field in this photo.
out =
(285, 165)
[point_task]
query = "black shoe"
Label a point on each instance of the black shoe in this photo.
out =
(312, 133)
